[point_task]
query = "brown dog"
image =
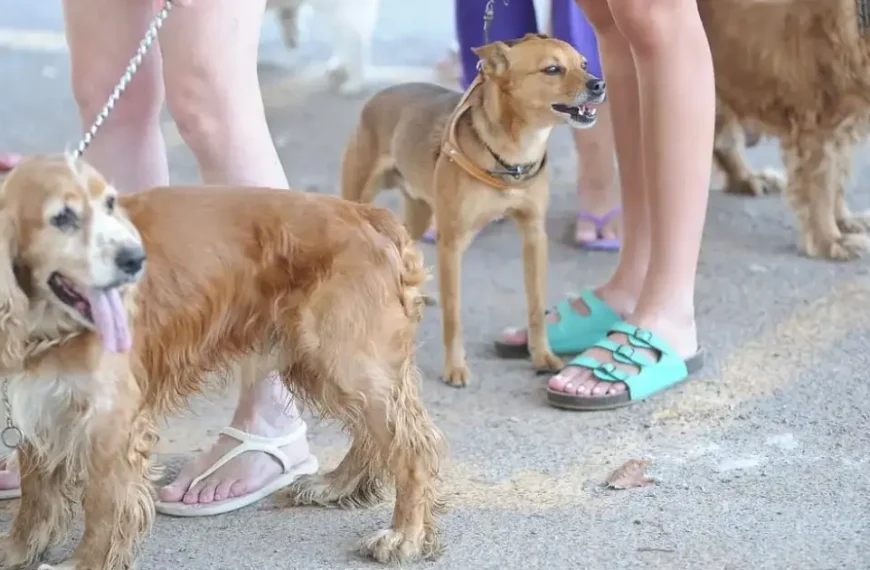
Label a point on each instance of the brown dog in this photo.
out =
(470, 158)
(798, 70)
(96, 345)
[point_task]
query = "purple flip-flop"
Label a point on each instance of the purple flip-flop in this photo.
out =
(600, 243)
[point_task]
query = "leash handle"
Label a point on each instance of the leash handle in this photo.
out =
(129, 72)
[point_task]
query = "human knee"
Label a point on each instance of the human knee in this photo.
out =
(647, 24)
(198, 111)
(599, 16)
(140, 103)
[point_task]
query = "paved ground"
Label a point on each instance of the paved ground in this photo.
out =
(761, 462)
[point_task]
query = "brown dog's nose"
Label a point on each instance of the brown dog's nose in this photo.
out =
(595, 86)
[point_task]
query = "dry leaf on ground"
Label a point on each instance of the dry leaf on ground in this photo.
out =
(630, 474)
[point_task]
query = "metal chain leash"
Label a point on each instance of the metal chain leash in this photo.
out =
(488, 16)
(11, 436)
(131, 70)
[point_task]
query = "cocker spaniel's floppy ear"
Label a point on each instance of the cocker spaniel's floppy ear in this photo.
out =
(14, 304)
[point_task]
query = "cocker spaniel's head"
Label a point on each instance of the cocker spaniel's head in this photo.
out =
(67, 244)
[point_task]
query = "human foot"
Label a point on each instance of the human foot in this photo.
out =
(10, 482)
(599, 232)
(572, 326)
(244, 465)
(629, 364)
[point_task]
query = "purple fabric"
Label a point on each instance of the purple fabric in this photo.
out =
(571, 25)
(516, 20)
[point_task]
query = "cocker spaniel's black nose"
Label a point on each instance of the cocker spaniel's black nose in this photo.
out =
(130, 260)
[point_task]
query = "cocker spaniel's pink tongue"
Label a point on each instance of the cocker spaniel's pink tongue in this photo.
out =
(110, 319)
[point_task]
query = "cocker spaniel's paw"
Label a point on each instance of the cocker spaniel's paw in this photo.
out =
(761, 183)
(13, 554)
(392, 546)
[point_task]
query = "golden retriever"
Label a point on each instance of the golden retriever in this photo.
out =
(473, 157)
(798, 70)
(98, 344)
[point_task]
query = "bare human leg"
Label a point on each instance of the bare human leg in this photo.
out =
(209, 46)
(213, 92)
(672, 62)
(619, 294)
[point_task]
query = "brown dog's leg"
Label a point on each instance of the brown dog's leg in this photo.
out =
(451, 245)
(729, 155)
(418, 216)
(45, 512)
(814, 174)
(118, 503)
(534, 236)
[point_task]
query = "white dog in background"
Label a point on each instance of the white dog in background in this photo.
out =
(351, 24)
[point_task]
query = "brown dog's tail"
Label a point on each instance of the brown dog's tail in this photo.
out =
(411, 271)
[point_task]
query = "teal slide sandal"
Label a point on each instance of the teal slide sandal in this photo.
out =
(574, 333)
(652, 377)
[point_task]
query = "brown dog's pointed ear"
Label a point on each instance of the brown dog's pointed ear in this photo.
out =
(493, 57)
(14, 304)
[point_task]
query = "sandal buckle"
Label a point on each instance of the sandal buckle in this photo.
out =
(607, 367)
(625, 350)
(642, 335)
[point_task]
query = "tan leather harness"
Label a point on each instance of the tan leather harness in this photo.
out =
(450, 148)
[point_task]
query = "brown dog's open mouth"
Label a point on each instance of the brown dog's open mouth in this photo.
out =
(68, 294)
(577, 115)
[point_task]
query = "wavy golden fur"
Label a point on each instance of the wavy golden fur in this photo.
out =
(237, 279)
(798, 70)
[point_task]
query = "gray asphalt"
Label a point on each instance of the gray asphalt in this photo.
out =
(761, 462)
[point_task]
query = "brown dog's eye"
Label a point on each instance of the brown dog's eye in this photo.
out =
(110, 204)
(583, 66)
(65, 220)
(553, 70)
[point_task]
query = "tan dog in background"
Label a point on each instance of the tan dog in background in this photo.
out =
(470, 158)
(97, 345)
(798, 70)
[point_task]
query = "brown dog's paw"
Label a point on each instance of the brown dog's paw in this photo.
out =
(856, 224)
(546, 361)
(457, 375)
(843, 248)
(391, 546)
(767, 181)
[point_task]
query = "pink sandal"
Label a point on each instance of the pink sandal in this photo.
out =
(9, 160)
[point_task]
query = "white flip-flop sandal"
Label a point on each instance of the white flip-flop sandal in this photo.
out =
(247, 442)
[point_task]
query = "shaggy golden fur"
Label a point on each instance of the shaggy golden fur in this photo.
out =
(798, 70)
(322, 290)
(406, 136)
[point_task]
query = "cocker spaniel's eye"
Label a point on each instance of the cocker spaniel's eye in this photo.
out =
(553, 70)
(110, 204)
(65, 220)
